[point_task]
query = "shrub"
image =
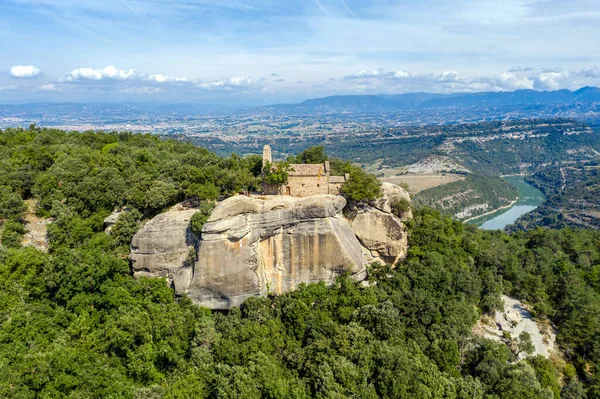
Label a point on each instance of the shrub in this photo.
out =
(400, 206)
(197, 221)
(361, 186)
(12, 234)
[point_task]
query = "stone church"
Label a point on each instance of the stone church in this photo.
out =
(305, 179)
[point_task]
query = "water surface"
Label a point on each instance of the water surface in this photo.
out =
(529, 199)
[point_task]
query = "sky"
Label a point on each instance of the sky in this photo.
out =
(266, 51)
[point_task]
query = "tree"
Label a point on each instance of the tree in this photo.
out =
(11, 204)
(278, 173)
(525, 344)
(361, 186)
(126, 226)
(573, 390)
(315, 154)
(12, 234)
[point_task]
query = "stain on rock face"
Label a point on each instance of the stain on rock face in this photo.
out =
(252, 247)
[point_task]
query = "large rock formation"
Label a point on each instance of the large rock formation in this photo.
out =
(251, 246)
(254, 247)
(162, 248)
(382, 234)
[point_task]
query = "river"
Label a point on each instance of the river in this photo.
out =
(529, 199)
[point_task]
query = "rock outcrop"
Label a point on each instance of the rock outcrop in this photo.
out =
(382, 234)
(252, 246)
(162, 248)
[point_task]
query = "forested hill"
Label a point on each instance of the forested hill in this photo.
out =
(74, 322)
(573, 197)
(468, 198)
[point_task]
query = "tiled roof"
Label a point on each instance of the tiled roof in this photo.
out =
(337, 179)
(307, 170)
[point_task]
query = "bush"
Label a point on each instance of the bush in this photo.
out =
(277, 173)
(400, 206)
(12, 205)
(197, 221)
(361, 186)
(12, 234)
(126, 226)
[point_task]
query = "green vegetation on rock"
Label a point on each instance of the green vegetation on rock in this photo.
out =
(201, 217)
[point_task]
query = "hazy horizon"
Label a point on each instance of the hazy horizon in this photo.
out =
(239, 54)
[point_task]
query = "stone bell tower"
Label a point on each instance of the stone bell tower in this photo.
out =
(267, 155)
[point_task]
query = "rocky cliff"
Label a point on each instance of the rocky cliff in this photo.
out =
(252, 246)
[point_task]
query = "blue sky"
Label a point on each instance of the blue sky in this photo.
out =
(244, 52)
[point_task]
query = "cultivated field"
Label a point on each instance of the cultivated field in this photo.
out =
(420, 182)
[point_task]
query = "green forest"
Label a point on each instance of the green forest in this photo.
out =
(573, 197)
(75, 323)
(472, 191)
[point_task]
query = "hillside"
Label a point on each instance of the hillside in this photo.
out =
(490, 148)
(468, 198)
(573, 197)
(436, 164)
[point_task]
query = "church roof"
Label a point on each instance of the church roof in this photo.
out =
(307, 170)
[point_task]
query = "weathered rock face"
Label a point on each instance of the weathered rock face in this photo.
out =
(162, 248)
(252, 247)
(382, 234)
(392, 193)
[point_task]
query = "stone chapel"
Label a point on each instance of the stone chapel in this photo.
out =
(305, 179)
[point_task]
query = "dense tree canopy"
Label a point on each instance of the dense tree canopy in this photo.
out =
(74, 322)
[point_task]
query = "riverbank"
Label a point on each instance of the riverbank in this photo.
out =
(529, 199)
(513, 203)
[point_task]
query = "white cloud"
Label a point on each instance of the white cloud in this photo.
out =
(166, 79)
(375, 73)
(109, 72)
(238, 82)
(380, 80)
(24, 71)
(49, 87)
(112, 73)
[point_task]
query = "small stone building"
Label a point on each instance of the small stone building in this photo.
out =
(305, 179)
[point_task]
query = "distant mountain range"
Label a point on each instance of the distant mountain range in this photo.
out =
(420, 101)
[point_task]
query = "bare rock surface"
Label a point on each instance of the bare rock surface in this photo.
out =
(161, 248)
(514, 320)
(435, 164)
(253, 247)
(259, 246)
(36, 228)
(382, 234)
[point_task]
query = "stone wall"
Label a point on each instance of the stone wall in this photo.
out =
(334, 188)
(303, 186)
